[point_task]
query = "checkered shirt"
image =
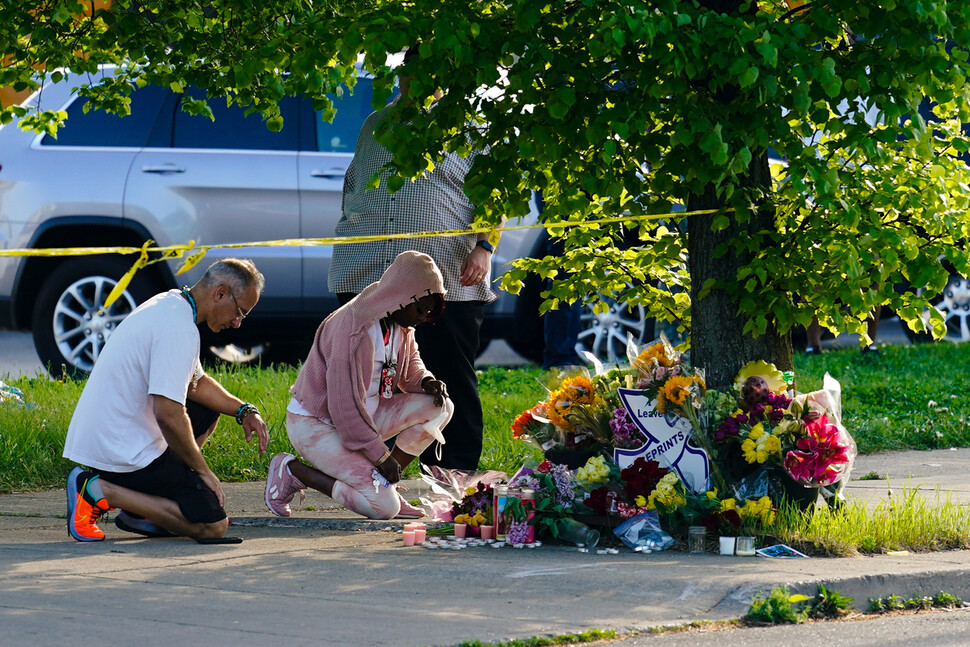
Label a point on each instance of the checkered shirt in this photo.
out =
(430, 203)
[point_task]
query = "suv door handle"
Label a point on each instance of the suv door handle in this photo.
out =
(164, 168)
(332, 174)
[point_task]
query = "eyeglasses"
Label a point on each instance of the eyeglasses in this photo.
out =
(239, 311)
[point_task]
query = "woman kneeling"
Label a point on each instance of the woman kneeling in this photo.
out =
(362, 384)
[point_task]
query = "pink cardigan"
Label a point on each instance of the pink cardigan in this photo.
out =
(333, 381)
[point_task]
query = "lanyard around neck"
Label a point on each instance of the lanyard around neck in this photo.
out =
(390, 345)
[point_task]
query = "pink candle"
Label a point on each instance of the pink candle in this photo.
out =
(408, 536)
(460, 530)
(420, 534)
(487, 532)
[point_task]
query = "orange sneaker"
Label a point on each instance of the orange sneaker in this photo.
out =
(85, 504)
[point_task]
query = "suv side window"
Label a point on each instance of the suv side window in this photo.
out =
(232, 129)
(352, 109)
(100, 128)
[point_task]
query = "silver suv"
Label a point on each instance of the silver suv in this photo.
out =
(172, 177)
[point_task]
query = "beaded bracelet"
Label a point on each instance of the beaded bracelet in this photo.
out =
(244, 411)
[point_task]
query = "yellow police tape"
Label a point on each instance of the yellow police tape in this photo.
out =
(198, 252)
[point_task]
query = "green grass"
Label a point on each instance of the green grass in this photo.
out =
(32, 438)
(907, 397)
(910, 397)
(907, 522)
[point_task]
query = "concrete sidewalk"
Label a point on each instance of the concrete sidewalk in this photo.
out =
(327, 577)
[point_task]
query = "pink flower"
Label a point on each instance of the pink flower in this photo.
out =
(818, 455)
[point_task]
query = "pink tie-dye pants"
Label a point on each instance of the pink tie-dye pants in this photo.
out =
(412, 417)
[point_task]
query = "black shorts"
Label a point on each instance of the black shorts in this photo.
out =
(168, 477)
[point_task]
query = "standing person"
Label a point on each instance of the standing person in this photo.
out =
(362, 384)
(432, 202)
(560, 327)
(814, 334)
(131, 427)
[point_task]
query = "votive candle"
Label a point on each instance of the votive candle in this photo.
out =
(408, 537)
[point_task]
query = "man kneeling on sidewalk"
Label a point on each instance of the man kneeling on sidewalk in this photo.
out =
(134, 428)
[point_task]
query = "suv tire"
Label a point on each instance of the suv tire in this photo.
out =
(68, 330)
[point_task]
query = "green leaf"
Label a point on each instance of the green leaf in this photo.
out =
(275, 124)
(748, 77)
(557, 109)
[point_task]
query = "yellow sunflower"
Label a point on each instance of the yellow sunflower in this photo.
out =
(657, 352)
(676, 391)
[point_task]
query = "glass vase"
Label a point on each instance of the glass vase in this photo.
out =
(577, 532)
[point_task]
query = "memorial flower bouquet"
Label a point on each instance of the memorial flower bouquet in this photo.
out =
(574, 420)
(553, 488)
(644, 486)
(770, 428)
(625, 492)
(475, 508)
(533, 427)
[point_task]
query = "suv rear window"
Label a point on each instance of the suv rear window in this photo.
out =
(232, 129)
(352, 109)
(100, 128)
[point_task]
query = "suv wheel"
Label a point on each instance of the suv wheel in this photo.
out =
(954, 303)
(604, 334)
(68, 325)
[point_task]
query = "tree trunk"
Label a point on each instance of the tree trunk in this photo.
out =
(717, 342)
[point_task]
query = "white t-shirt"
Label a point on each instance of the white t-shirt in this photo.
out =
(154, 351)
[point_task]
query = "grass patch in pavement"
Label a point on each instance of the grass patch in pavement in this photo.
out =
(589, 636)
(907, 397)
(908, 521)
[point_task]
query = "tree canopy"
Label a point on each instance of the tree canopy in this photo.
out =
(621, 108)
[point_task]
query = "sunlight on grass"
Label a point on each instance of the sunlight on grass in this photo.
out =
(907, 398)
(913, 521)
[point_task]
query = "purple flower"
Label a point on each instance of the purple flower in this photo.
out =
(727, 429)
(517, 533)
(526, 481)
(625, 432)
(564, 488)
(779, 400)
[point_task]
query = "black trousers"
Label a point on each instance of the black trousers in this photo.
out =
(448, 348)
(168, 477)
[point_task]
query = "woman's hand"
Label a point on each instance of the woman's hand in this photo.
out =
(435, 388)
(389, 468)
